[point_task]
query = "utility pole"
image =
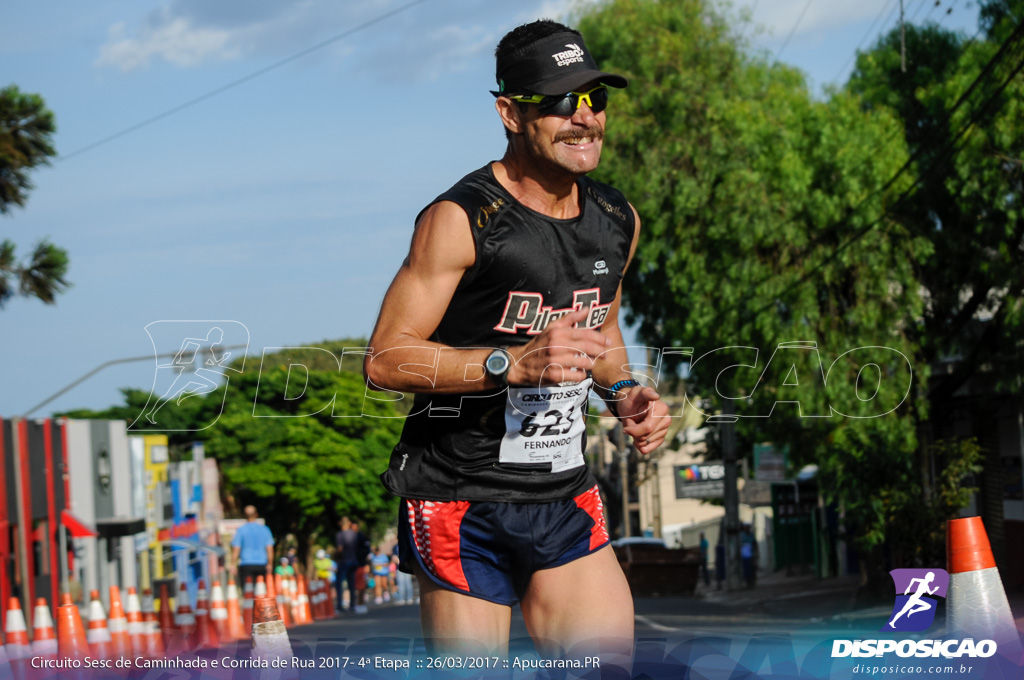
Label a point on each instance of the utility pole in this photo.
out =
(731, 498)
(24, 519)
(655, 493)
(903, 41)
(623, 453)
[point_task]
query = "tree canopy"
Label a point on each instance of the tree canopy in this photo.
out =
(775, 224)
(26, 141)
(284, 452)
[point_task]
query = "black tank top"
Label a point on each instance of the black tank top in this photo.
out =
(516, 444)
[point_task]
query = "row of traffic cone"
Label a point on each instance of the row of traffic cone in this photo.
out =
(135, 632)
(135, 629)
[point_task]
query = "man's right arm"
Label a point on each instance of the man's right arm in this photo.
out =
(403, 359)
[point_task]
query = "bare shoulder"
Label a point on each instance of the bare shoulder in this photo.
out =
(636, 231)
(442, 239)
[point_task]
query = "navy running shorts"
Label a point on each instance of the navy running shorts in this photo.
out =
(490, 550)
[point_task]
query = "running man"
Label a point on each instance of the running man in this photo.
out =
(502, 319)
(915, 604)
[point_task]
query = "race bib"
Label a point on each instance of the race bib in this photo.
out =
(545, 425)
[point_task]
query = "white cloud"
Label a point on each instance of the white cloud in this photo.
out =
(420, 43)
(175, 41)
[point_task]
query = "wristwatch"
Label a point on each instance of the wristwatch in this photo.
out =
(498, 364)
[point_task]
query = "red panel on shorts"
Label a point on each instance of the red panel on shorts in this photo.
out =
(435, 532)
(590, 502)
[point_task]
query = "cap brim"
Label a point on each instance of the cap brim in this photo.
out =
(576, 80)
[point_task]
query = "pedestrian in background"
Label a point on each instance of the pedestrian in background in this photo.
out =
(352, 550)
(704, 559)
(325, 567)
(284, 568)
(748, 555)
(403, 583)
(380, 563)
(252, 548)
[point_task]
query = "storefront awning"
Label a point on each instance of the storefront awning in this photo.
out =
(77, 528)
(114, 527)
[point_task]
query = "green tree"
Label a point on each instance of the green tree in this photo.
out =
(26, 131)
(959, 102)
(965, 132)
(303, 471)
(765, 223)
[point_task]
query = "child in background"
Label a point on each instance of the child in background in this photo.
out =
(381, 565)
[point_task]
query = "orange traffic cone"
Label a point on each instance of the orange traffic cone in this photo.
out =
(4, 661)
(44, 638)
(282, 600)
(150, 626)
(218, 611)
(293, 593)
(269, 637)
(313, 593)
(72, 642)
(304, 607)
(181, 635)
(235, 631)
(185, 619)
(324, 595)
(117, 623)
(247, 604)
(261, 590)
(98, 633)
(153, 639)
(205, 635)
(18, 648)
(133, 615)
(166, 616)
(314, 599)
(976, 602)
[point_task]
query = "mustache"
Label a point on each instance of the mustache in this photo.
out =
(574, 134)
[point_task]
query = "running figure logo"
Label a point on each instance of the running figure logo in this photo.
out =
(914, 610)
(196, 366)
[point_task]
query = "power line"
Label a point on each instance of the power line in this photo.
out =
(793, 31)
(244, 79)
(920, 6)
(992, 63)
(986, 69)
(953, 149)
(867, 34)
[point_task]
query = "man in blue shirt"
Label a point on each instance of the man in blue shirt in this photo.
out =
(253, 547)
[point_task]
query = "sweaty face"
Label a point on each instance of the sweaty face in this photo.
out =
(570, 144)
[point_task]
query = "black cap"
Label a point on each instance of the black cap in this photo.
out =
(553, 65)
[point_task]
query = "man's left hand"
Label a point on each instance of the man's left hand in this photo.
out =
(644, 418)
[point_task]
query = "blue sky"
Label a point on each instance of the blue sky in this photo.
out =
(286, 203)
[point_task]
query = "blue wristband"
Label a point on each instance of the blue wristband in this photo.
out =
(614, 389)
(624, 383)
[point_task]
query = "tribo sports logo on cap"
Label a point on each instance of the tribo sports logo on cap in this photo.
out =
(574, 55)
(916, 593)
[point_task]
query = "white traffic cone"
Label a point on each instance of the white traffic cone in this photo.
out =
(976, 602)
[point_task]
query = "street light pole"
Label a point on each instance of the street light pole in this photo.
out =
(113, 362)
(24, 522)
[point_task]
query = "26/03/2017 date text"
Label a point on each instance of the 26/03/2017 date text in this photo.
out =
(448, 663)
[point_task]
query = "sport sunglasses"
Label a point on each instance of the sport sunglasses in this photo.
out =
(566, 104)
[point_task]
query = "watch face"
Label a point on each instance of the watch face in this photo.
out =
(497, 363)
